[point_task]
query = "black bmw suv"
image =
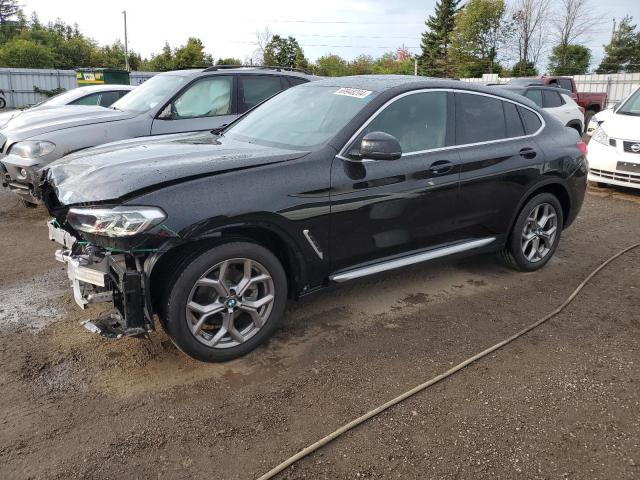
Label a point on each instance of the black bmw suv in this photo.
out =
(325, 182)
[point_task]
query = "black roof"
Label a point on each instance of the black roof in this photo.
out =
(380, 83)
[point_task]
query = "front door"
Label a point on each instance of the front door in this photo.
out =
(205, 104)
(382, 208)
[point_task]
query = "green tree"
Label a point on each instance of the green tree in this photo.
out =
(331, 66)
(480, 31)
(112, 56)
(285, 52)
(623, 52)
(22, 53)
(389, 63)
(524, 69)
(434, 60)
(8, 10)
(569, 60)
(229, 61)
(191, 55)
(362, 65)
(161, 62)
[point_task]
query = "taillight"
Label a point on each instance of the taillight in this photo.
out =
(582, 147)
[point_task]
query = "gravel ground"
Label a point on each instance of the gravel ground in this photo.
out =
(561, 402)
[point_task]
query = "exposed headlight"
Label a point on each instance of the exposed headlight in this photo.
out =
(600, 136)
(115, 222)
(32, 148)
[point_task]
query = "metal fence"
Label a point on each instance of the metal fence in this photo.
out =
(19, 85)
(616, 85)
(136, 78)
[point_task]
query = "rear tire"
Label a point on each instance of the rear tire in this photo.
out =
(535, 234)
(225, 302)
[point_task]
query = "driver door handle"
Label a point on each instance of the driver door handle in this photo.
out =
(441, 167)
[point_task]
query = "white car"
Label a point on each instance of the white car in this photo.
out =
(601, 117)
(614, 149)
(103, 95)
(556, 101)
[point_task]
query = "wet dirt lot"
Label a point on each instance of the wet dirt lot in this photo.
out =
(561, 402)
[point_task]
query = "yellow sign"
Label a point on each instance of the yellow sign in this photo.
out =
(89, 78)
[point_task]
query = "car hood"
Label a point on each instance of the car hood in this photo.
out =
(120, 169)
(622, 126)
(44, 120)
(6, 116)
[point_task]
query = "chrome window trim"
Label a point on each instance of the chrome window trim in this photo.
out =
(343, 155)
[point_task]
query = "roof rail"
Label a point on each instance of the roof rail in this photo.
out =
(264, 67)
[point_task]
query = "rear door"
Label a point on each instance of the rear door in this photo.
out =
(204, 104)
(499, 157)
(383, 208)
(254, 89)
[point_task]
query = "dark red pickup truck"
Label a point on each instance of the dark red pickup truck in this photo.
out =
(591, 102)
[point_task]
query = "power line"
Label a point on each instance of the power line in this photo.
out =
(332, 46)
(342, 22)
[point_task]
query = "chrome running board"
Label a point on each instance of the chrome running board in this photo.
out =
(410, 260)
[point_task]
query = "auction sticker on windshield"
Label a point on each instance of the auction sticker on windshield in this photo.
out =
(352, 92)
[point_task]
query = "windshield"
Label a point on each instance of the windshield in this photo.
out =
(149, 94)
(631, 106)
(301, 117)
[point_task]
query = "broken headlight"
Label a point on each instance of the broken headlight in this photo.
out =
(115, 222)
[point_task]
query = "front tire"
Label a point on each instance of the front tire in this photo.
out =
(226, 302)
(536, 233)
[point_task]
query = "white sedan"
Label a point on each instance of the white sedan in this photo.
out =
(614, 149)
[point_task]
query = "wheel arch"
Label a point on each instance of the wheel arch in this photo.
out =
(160, 267)
(556, 188)
(576, 124)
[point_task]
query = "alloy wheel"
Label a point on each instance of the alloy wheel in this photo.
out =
(230, 303)
(539, 232)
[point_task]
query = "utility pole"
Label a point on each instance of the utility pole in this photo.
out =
(126, 43)
(613, 32)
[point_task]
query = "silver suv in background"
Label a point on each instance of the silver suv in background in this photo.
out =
(170, 102)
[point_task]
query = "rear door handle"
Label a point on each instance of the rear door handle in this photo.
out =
(441, 167)
(528, 153)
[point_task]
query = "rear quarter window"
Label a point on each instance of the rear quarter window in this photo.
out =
(531, 121)
(514, 123)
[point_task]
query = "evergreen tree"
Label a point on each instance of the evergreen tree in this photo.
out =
(569, 60)
(623, 52)
(434, 60)
(8, 10)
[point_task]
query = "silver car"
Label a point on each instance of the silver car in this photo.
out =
(171, 102)
(103, 95)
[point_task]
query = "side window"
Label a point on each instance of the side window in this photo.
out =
(514, 124)
(565, 83)
(93, 99)
(418, 121)
(478, 119)
(256, 88)
(532, 122)
(293, 81)
(205, 98)
(551, 99)
(108, 98)
(535, 96)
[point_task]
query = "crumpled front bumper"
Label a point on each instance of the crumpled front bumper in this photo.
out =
(96, 276)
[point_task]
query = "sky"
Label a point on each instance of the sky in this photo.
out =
(228, 29)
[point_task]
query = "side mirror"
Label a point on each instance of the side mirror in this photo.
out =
(380, 146)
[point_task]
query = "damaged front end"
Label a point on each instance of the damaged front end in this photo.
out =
(100, 273)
